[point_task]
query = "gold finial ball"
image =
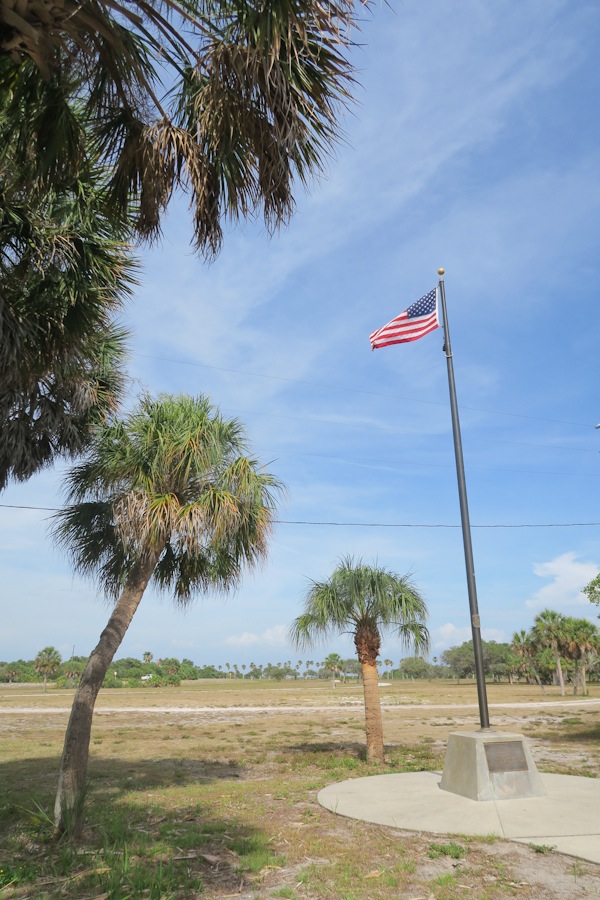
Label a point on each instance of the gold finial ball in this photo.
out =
(441, 271)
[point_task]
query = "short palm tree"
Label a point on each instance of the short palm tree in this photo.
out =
(167, 495)
(73, 670)
(47, 662)
(333, 662)
(524, 647)
(364, 600)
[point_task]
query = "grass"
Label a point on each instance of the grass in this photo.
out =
(202, 804)
(452, 849)
(542, 848)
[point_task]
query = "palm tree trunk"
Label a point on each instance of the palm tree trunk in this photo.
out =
(68, 807)
(373, 723)
(559, 672)
(537, 678)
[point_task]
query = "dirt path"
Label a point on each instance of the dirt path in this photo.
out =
(357, 704)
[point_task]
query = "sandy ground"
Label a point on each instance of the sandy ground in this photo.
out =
(332, 707)
(542, 876)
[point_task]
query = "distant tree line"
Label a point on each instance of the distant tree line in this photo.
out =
(48, 665)
(557, 649)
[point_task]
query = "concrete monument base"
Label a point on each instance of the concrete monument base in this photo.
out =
(490, 765)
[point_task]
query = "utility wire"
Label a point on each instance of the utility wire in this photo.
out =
(369, 524)
(321, 420)
(334, 387)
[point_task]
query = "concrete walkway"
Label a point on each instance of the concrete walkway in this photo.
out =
(568, 818)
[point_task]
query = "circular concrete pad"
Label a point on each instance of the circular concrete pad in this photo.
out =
(568, 817)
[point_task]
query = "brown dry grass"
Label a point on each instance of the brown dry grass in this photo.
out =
(232, 770)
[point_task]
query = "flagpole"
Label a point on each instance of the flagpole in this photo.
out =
(464, 516)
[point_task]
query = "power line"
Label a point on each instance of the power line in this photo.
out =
(370, 524)
(412, 525)
(335, 387)
(320, 420)
(376, 462)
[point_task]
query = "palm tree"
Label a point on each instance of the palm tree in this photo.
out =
(256, 95)
(388, 663)
(47, 662)
(364, 600)
(333, 662)
(147, 657)
(168, 495)
(549, 631)
(523, 646)
(581, 639)
(72, 670)
(11, 672)
(65, 272)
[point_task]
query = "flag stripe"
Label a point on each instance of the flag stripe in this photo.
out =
(416, 326)
(412, 324)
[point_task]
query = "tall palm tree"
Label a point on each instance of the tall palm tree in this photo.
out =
(169, 494)
(47, 662)
(253, 112)
(254, 106)
(65, 273)
(581, 639)
(364, 600)
(549, 631)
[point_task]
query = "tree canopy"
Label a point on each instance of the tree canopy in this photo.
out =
(252, 103)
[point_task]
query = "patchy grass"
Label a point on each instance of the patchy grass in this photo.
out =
(209, 804)
(452, 849)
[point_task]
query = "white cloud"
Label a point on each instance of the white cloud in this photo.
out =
(272, 637)
(568, 576)
(450, 635)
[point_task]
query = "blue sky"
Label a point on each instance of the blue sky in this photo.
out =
(474, 145)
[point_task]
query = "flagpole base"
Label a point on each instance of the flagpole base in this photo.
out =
(490, 765)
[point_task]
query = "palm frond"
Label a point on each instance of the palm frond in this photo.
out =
(172, 480)
(365, 600)
(258, 94)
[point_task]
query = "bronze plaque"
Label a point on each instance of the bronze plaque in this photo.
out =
(506, 756)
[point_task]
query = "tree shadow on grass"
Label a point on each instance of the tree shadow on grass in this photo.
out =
(586, 734)
(333, 749)
(31, 782)
(140, 838)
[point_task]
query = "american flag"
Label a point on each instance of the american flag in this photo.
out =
(412, 324)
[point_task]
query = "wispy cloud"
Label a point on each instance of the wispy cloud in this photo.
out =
(272, 637)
